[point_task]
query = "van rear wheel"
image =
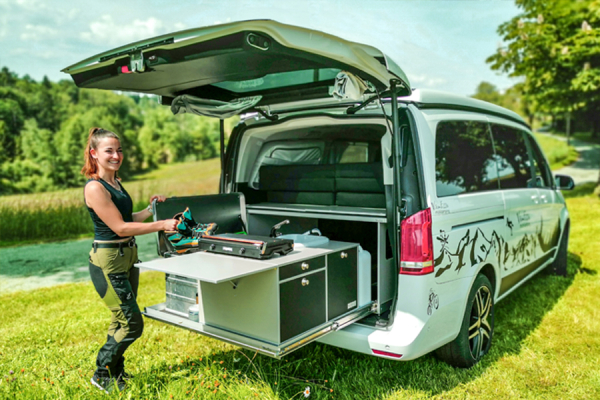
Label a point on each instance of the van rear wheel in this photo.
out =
(475, 337)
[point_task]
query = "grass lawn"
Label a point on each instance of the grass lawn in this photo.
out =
(546, 345)
(557, 152)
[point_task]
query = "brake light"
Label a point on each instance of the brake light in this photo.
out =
(416, 245)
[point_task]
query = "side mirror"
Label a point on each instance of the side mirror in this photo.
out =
(564, 182)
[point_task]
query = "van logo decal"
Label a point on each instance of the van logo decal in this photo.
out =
(523, 217)
(479, 247)
(440, 208)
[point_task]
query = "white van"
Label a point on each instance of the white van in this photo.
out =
(412, 212)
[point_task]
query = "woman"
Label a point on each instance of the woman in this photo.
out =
(114, 252)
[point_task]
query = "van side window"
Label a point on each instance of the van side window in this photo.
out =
(344, 152)
(542, 172)
(514, 167)
(355, 153)
(464, 158)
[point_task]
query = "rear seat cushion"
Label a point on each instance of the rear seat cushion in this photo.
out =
(352, 185)
(360, 185)
(303, 184)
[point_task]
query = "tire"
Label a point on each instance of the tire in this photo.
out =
(559, 265)
(475, 337)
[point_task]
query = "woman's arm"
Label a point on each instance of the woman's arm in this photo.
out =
(144, 214)
(98, 198)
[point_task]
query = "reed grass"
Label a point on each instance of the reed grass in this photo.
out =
(62, 215)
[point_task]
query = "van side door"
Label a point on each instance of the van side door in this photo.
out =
(468, 210)
(548, 231)
(520, 248)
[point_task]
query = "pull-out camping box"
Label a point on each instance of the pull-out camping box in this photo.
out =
(271, 305)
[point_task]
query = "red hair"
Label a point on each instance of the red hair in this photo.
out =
(90, 166)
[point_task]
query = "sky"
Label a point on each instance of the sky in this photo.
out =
(440, 44)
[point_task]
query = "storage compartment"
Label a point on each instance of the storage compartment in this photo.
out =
(283, 302)
(366, 227)
(278, 304)
(181, 293)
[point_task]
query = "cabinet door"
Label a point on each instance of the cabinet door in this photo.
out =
(302, 304)
(342, 280)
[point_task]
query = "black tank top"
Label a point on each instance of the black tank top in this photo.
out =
(124, 204)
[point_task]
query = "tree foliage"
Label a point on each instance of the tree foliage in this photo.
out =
(44, 127)
(555, 46)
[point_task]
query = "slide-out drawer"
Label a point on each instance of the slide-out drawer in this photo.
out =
(301, 267)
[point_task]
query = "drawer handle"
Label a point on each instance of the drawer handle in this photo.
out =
(305, 282)
(344, 255)
(304, 266)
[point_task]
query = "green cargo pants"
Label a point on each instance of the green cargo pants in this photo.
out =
(116, 281)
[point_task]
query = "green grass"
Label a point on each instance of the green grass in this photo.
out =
(546, 345)
(583, 136)
(558, 153)
(61, 215)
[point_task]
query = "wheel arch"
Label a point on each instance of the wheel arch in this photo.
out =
(489, 272)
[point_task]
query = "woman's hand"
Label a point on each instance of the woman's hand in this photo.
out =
(158, 197)
(169, 224)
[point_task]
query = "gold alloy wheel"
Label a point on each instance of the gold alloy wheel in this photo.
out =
(480, 330)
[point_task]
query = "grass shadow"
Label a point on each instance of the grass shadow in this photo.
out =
(582, 190)
(354, 375)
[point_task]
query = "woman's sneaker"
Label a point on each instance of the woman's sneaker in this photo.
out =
(124, 376)
(107, 384)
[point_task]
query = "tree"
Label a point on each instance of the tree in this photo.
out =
(512, 99)
(555, 46)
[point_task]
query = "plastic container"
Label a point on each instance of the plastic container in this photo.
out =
(364, 277)
(194, 313)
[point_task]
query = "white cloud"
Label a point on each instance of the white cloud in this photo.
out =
(109, 32)
(37, 32)
(426, 81)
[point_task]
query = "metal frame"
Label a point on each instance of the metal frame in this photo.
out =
(158, 312)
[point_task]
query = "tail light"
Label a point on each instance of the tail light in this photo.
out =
(416, 245)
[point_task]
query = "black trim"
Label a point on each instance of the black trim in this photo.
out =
(479, 221)
(513, 279)
(427, 106)
(412, 123)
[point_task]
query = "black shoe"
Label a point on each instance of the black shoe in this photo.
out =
(124, 376)
(107, 384)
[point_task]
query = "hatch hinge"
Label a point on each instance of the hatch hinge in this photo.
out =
(136, 61)
(403, 209)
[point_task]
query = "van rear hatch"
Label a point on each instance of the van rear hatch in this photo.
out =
(278, 62)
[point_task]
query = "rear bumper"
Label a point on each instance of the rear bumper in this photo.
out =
(410, 336)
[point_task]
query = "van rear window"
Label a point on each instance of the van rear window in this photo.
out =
(464, 158)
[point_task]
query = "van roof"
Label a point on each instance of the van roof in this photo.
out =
(427, 98)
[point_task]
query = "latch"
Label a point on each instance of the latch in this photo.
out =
(403, 208)
(136, 62)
